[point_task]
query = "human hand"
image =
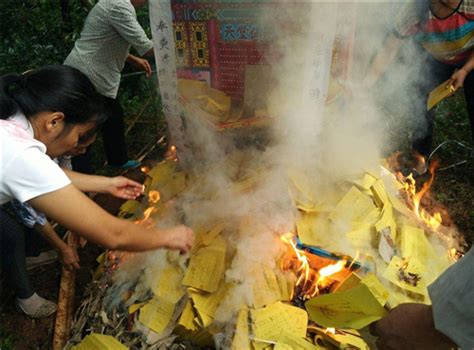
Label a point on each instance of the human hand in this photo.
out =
(178, 238)
(410, 326)
(458, 77)
(143, 64)
(69, 258)
(122, 187)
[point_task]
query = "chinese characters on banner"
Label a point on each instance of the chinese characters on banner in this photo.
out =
(164, 47)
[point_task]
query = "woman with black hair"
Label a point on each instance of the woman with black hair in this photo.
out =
(44, 114)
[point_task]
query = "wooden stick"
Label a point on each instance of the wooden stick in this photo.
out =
(62, 327)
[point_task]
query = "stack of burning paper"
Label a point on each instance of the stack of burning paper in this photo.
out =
(351, 256)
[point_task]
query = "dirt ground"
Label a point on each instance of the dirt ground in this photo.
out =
(20, 332)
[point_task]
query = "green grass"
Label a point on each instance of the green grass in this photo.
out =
(7, 340)
(454, 188)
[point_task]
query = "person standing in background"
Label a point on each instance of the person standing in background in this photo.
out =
(445, 31)
(110, 30)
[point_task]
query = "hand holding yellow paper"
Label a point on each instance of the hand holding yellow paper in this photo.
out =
(442, 91)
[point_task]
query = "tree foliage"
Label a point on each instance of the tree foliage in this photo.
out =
(39, 32)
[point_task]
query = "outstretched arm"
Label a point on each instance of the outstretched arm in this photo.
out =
(382, 59)
(118, 186)
(75, 211)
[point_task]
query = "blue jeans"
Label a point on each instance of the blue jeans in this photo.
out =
(12, 250)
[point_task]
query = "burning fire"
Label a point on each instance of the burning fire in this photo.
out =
(309, 280)
(171, 154)
(414, 197)
(116, 258)
(153, 197)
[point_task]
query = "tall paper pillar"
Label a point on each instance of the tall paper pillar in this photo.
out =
(161, 22)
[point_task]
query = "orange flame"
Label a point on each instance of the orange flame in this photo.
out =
(153, 197)
(432, 220)
(309, 280)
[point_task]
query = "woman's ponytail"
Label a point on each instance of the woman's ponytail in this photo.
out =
(10, 85)
(53, 88)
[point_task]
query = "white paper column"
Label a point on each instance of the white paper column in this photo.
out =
(161, 21)
(321, 40)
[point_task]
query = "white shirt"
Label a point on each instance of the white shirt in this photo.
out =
(26, 171)
(100, 53)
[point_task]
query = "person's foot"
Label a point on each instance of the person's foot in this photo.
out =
(36, 306)
(45, 258)
(129, 164)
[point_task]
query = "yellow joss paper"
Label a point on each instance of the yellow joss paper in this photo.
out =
(206, 304)
(361, 235)
(353, 280)
(270, 322)
(96, 341)
(354, 308)
(241, 340)
(207, 237)
(376, 288)
(415, 245)
(157, 314)
(266, 288)
(206, 266)
(290, 341)
(185, 321)
(285, 285)
(442, 91)
(134, 307)
(365, 183)
(371, 281)
(309, 227)
(129, 208)
(387, 221)
(160, 174)
(169, 284)
(408, 275)
(348, 340)
(171, 188)
(398, 204)
(354, 206)
(379, 192)
(190, 88)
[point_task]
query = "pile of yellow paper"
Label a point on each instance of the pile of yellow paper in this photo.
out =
(215, 103)
(366, 214)
(380, 227)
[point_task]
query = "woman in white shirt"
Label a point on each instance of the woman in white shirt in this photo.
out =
(44, 113)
